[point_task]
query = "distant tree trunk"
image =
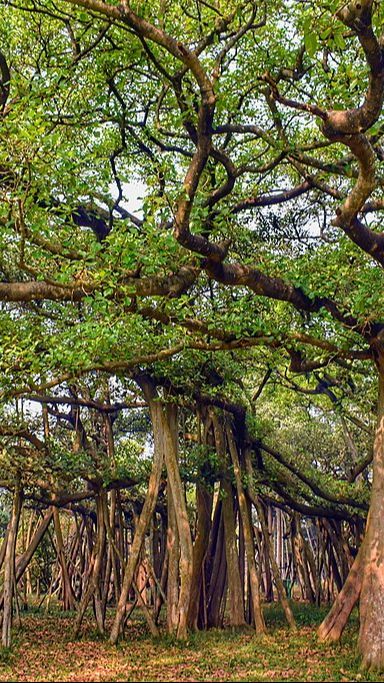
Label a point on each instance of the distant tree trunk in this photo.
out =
(215, 568)
(68, 597)
(111, 571)
(301, 559)
(9, 566)
(93, 587)
(22, 562)
(204, 501)
(163, 582)
(248, 536)
(269, 550)
(156, 411)
(266, 547)
(236, 614)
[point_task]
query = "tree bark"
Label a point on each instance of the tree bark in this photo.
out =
(366, 577)
(93, 587)
(156, 411)
(268, 548)
(23, 561)
(371, 635)
(248, 536)
(183, 527)
(173, 547)
(9, 566)
(204, 501)
(334, 623)
(68, 597)
(215, 568)
(236, 614)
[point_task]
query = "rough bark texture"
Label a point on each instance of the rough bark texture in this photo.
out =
(216, 568)
(371, 636)
(366, 577)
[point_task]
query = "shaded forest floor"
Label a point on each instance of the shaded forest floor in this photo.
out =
(44, 650)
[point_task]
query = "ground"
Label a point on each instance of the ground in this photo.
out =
(44, 650)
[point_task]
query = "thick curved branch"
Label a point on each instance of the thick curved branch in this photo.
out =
(316, 488)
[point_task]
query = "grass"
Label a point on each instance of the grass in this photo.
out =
(44, 650)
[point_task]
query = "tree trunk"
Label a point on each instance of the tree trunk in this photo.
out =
(173, 547)
(147, 511)
(367, 573)
(93, 587)
(371, 636)
(204, 501)
(178, 497)
(216, 569)
(334, 623)
(248, 536)
(23, 561)
(268, 546)
(68, 597)
(9, 566)
(236, 613)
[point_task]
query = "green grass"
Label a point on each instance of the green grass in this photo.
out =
(44, 650)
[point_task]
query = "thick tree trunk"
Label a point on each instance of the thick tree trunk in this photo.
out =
(371, 636)
(9, 567)
(236, 615)
(178, 497)
(204, 501)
